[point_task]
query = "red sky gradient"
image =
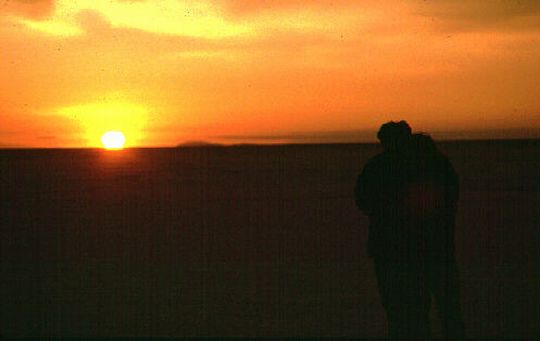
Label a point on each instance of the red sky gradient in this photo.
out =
(166, 71)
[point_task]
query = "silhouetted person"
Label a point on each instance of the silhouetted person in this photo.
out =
(430, 208)
(380, 189)
(409, 193)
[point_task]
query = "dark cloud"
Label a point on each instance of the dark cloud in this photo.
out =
(345, 136)
(369, 136)
(483, 14)
(488, 134)
(33, 9)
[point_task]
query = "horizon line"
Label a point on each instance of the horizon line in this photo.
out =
(269, 144)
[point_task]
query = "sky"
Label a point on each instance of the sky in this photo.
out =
(239, 71)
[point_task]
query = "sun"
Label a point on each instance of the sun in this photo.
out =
(113, 140)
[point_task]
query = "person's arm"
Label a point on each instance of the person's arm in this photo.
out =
(452, 183)
(363, 191)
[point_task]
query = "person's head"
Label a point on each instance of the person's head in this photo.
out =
(394, 135)
(423, 143)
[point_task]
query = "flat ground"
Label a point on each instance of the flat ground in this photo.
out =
(244, 241)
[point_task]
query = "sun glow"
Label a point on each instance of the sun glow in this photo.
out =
(113, 140)
(97, 120)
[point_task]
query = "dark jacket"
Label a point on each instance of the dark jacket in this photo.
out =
(410, 199)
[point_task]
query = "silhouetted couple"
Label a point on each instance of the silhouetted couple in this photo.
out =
(410, 193)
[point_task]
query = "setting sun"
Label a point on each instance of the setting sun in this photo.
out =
(113, 140)
(93, 119)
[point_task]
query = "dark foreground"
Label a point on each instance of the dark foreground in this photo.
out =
(244, 241)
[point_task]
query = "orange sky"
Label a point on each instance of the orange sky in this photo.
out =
(166, 71)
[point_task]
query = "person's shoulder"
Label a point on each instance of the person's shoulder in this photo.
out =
(443, 165)
(378, 164)
(378, 159)
(443, 159)
(381, 157)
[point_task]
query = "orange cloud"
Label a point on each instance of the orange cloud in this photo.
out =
(32, 9)
(196, 19)
(247, 7)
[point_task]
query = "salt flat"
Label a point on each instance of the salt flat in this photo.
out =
(244, 241)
